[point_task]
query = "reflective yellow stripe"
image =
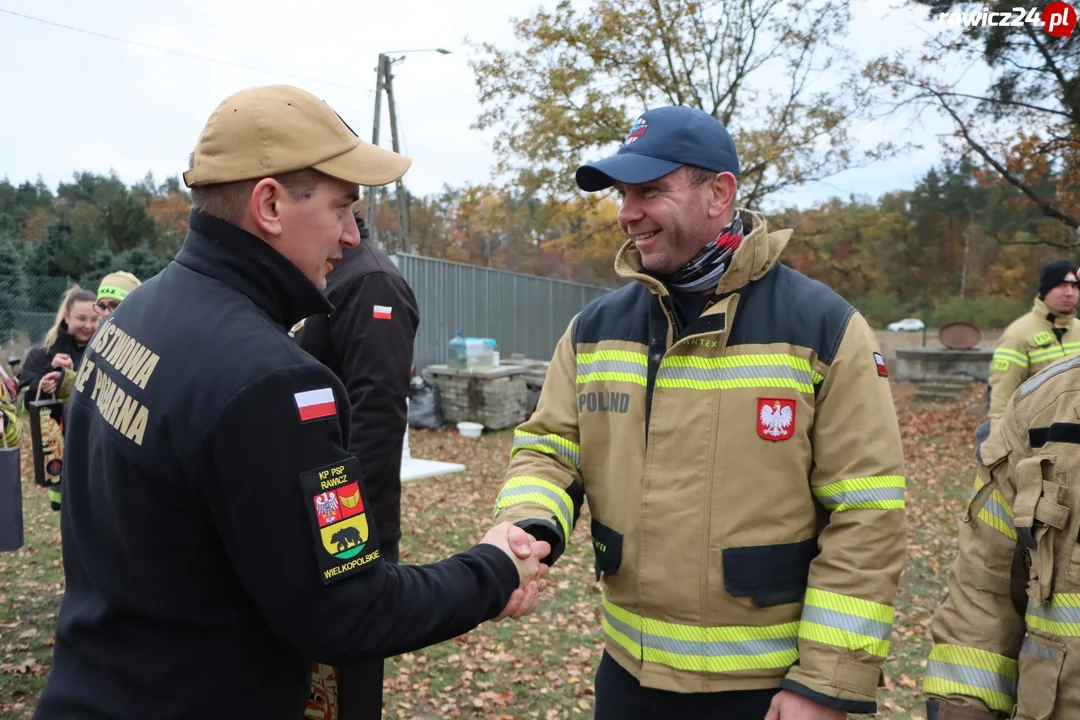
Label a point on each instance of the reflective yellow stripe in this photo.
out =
(1053, 353)
(961, 670)
(878, 492)
(702, 649)
(550, 444)
(54, 495)
(1060, 617)
(1011, 356)
(996, 511)
(737, 371)
(846, 622)
(613, 366)
(526, 489)
(11, 428)
(1072, 347)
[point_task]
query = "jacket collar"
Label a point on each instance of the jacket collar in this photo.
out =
(1043, 311)
(755, 256)
(246, 263)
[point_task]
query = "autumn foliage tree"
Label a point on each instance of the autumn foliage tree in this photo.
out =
(1022, 126)
(773, 72)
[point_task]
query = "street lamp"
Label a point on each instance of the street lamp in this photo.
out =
(384, 82)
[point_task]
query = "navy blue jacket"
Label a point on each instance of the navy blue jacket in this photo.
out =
(215, 534)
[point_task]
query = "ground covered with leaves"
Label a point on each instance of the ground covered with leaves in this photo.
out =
(542, 667)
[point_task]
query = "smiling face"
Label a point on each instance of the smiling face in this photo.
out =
(671, 218)
(82, 321)
(311, 228)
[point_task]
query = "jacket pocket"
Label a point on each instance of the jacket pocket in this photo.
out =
(1040, 663)
(607, 544)
(1040, 515)
(769, 574)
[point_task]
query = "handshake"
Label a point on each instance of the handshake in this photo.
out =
(526, 552)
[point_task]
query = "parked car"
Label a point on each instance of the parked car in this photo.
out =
(906, 325)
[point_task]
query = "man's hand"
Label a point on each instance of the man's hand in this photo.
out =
(49, 381)
(787, 705)
(62, 360)
(526, 552)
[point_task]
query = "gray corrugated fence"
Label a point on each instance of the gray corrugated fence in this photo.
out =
(524, 313)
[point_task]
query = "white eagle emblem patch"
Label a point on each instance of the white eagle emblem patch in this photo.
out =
(775, 418)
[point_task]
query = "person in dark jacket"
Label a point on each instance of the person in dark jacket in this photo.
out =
(216, 540)
(368, 342)
(49, 367)
(52, 363)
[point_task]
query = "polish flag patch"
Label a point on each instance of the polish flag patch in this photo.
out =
(315, 404)
(382, 312)
(882, 371)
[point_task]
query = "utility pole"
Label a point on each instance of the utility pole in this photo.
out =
(384, 82)
(402, 198)
(371, 192)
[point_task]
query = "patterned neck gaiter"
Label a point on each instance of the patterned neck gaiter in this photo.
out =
(704, 271)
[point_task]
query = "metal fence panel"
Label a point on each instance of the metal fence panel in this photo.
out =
(524, 313)
(28, 304)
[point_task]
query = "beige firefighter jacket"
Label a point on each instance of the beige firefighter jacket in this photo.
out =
(990, 653)
(744, 477)
(1030, 343)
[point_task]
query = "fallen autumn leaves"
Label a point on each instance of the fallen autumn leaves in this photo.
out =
(543, 666)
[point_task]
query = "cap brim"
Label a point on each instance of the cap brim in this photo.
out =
(630, 168)
(366, 164)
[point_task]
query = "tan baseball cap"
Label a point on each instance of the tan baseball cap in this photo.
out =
(264, 131)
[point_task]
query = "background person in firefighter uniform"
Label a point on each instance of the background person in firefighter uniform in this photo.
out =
(1040, 338)
(731, 425)
(1002, 649)
(368, 342)
(112, 290)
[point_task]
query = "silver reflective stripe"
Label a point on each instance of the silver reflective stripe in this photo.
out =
(843, 621)
(973, 676)
(612, 366)
(521, 441)
(993, 507)
(1030, 647)
(850, 497)
(731, 374)
(567, 513)
(704, 648)
(1055, 613)
(1045, 375)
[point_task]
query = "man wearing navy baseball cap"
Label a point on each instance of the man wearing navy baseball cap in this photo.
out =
(731, 425)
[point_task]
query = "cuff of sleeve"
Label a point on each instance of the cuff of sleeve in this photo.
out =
(855, 707)
(549, 532)
(506, 573)
(937, 710)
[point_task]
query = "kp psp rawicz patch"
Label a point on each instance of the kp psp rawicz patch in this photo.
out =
(345, 541)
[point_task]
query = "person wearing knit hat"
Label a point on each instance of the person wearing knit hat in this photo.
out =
(114, 287)
(1048, 333)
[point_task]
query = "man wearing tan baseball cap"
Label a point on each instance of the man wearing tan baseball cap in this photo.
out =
(217, 531)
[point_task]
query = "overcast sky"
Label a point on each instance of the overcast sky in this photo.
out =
(75, 101)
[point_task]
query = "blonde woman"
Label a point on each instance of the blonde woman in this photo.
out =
(49, 368)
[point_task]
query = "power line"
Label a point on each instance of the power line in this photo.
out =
(181, 53)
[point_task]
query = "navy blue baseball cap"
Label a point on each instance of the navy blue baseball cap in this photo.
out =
(660, 142)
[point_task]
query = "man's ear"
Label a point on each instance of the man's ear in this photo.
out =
(265, 202)
(722, 197)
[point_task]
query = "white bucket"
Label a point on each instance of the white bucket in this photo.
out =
(470, 429)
